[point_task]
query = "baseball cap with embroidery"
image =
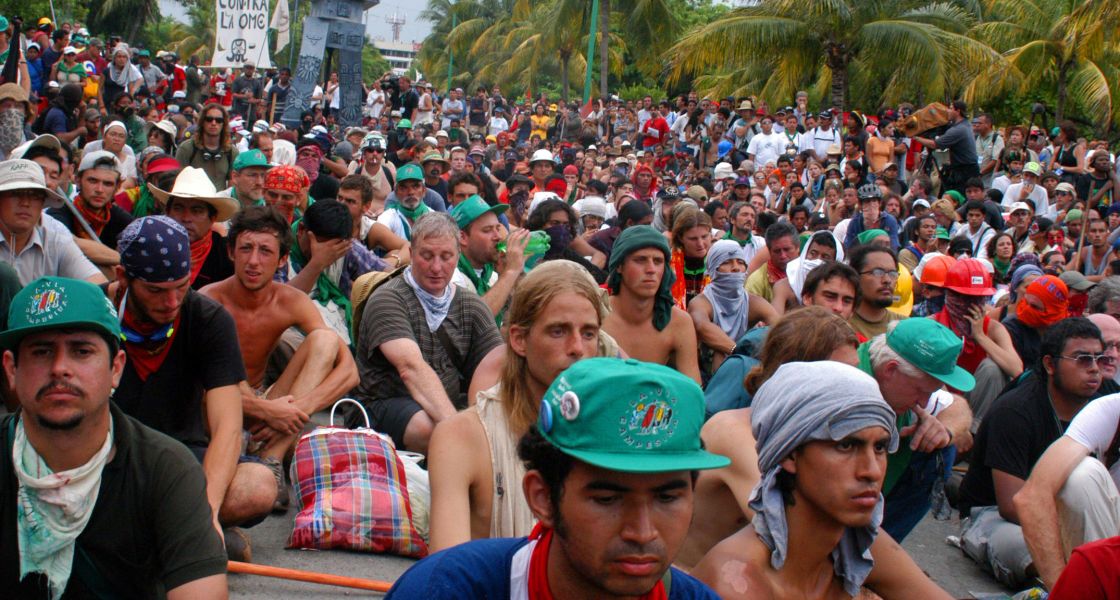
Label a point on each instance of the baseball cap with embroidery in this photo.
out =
(627, 415)
(933, 348)
(408, 172)
(58, 302)
(472, 208)
(252, 158)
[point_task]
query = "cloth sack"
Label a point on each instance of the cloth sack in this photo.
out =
(352, 492)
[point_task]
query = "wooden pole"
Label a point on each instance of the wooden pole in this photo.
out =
(309, 576)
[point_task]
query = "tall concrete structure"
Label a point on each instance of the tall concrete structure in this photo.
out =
(333, 27)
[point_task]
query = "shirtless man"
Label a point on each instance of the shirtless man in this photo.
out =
(322, 369)
(643, 318)
(823, 432)
(553, 322)
(1093, 261)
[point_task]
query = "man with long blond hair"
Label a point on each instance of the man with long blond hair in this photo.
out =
(554, 320)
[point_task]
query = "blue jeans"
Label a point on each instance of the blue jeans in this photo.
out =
(909, 500)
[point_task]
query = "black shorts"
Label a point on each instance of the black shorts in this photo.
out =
(387, 415)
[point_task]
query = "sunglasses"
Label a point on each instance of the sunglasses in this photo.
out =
(214, 119)
(211, 155)
(1086, 360)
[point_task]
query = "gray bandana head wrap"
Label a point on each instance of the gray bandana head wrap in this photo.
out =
(804, 402)
(725, 291)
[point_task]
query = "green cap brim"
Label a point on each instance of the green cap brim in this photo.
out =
(658, 462)
(958, 379)
(11, 338)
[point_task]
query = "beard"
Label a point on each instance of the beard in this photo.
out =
(68, 424)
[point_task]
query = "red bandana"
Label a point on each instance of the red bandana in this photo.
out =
(143, 357)
(538, 570)
(774, 274)
(97, 219)
(199, 251)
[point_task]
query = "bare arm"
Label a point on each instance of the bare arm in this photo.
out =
(709, 334)
(581, 247)
(214, 587)
(422, 382)
(1006, 486)
(685, 356)
(323, 255)
(453, 454)
(759, 260)
(1037, 506)
(728, 433)
(895, 575)
(510, 266)
(224, 421)
(761, 310)
(98, 253)
(344, 373)
(997, 343)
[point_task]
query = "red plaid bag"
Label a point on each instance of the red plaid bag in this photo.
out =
(352, 493)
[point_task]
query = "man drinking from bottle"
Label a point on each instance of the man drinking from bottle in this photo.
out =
(483, 268)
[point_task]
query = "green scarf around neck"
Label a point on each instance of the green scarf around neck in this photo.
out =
(411, 213)
(481, 282)
(326, 290)
(145, 203)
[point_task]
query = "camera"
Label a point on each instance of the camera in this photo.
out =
(391, 84)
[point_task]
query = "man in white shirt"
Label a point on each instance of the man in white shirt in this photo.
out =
(452, 108)
(978, 232)
(1029, 189)
(375, 101)
(766, 146)
(498, 122)
(818, 139)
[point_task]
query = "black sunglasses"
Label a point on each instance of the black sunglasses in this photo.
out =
(214, 119)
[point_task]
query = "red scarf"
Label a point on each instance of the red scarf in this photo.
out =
(199, 251)
(97, 219)
(538, 569)
(147, 358)
(773, 273)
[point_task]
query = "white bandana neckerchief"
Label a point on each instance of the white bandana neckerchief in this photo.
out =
(54, 509)
(435, 307)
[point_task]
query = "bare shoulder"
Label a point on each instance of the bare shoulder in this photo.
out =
(459, 444)
(681, 319)
(215, 290)
(726, 428)
(731, 566)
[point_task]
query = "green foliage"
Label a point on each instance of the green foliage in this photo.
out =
(637, 92)
(32, 10)
(373, 64)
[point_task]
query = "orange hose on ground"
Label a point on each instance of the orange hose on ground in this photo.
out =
(309, 576)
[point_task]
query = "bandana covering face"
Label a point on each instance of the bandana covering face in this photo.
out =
(54, 509)
(804, 402)
(799, 268)
(725, 291)
(959, 308)
(155, 249)
(1055, 301)
(11, 129)
(286, 178)
(435, 307)
(635, 238)
(560, 237)
(310, 165)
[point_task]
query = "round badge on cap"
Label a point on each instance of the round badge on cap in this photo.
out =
(569, 405)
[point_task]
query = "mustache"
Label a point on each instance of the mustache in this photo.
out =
(56, 385)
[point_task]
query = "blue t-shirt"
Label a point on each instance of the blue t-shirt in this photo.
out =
(55, 121)
(481, 569)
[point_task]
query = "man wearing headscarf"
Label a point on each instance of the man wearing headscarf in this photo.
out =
(822, 431)
(820, 247)
(1042, 304)
(724, 311)
(645, 186)
(643, 316)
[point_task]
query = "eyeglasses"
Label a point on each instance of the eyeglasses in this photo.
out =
(214, 119)
(1086, 360)
(881, 273)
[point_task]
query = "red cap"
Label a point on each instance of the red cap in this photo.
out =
(969, 277)
(571, 170)
(162, 165)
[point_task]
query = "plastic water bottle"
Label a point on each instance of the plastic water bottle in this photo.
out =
(539, 243)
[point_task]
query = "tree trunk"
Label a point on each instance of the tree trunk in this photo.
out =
(1063, 91)
(838, 64)
(564, 56)
(604, 59)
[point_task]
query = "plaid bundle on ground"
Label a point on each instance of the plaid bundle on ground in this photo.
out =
(352, 494)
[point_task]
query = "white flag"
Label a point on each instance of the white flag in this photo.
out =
(281, 23)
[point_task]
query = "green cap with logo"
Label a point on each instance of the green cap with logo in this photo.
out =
(933, 348)
(58, 302)
(252, 158)
(627, 415)
(410, 171)
(472, 208)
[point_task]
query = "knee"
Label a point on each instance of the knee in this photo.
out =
(1086, 484)
(252, 491)
(418, 432)
(322, 342)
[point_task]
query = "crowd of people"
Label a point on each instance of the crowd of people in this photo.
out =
(670, 348)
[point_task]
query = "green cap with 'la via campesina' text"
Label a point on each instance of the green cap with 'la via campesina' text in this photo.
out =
(627, 415)
(57, 303)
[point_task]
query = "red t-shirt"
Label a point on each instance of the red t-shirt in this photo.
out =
(655, 131)
(1093, 572)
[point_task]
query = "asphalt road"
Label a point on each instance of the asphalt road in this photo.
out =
(944, 563)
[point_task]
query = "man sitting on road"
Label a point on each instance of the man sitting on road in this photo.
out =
(99, 174)
(878, 274)
(554, 320)
(608, 477)
(1020, 425)
(482, 267)
(356, 193)
(421, 338)
(832, 285)
(770, 264)
(405, 205)
(95, 500)
(643, 316)
(823, 432)
(193, 203)
(320, 372)
(249, 169)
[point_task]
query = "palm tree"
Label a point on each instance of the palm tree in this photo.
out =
(1068, 44)
(135, 13)
(648, 27)
(196, 37)
(908, 46)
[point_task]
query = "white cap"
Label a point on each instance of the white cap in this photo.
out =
(540, 197)
(442, 133)
(1019, 206)
(69, 50)
(20, 174)
(723, 170)
(594, 206)
(46, 140)
(593, 147)
(178, 94)
(90, 158)
(431, 140)
(260, 125)
(542, 155)
(919, 203)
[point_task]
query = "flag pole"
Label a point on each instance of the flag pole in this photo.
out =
(591, 50)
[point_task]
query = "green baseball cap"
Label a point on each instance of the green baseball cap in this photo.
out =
(933, 348)
(252, 158)
(144, 53)
(942, 233)
(472, 208)
(58, 302)
(404, 124)
(410, 171)
(627, 415)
